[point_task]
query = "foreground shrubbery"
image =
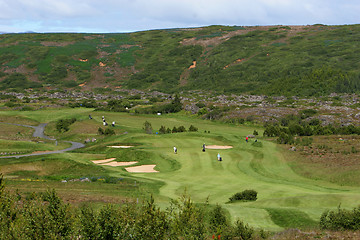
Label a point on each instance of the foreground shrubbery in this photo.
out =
(341, 219)
(45, 216)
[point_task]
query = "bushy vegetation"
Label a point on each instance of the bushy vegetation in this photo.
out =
(246, 195)
(173, 107)
(304, 124)
(63, 125)
(46, 216)
(341, 219)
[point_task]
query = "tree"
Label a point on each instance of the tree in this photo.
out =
(109, 131)
(100, 131)
(148, 128)
(181, 129)
(162, 130)
(193, 128)
(218, 220)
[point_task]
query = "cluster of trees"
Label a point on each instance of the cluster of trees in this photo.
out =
(163, 130)
(87, 103)
(114, 105)
(46, 216)
(62, 125)
(303, 125)
(107, 131)
(173, 107)
(286, 134)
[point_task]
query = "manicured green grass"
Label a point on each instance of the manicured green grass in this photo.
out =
(285, 199)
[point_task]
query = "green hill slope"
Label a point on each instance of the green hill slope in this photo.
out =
(278, 60)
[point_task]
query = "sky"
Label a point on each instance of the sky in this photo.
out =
(104, 16)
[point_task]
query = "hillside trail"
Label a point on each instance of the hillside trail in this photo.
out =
(39, 132)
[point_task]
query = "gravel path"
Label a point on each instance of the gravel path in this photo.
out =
(39, 132)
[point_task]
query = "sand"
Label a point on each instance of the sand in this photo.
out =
(218, 147)
(120, 146)
(119, 164)
(142, 169)
(103, 161)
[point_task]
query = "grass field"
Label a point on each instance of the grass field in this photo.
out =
(285, 198)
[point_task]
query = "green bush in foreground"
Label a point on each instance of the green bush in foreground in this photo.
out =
(341, 219)
(46, 216)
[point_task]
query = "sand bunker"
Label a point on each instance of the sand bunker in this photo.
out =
(120, 146)
(218, 147)
(103, 161)
(141, 169)
(119, 164)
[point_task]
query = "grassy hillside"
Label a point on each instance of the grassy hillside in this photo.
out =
(279, 60)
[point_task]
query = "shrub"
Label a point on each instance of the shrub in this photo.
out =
(100, 131)
(257, 144)
(63, 124)
(147, 127)
(341, 219)
(285, 138)
(200, 105)
(246, 195)
(193, 128)
(109, 131)
(162, 130)
(181, 129)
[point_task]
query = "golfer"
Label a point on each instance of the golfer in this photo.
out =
(218, 156)
(175, 150)
(203, 147)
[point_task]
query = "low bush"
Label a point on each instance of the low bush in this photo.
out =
(246, 195)
(341, 219)
(62, 125)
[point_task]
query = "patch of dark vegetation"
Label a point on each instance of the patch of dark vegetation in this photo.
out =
(244, 196)
(341, 219)
(291, 218)
(63, 125)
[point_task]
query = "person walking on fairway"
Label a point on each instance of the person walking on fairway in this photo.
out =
(203, 147)
(175, 150)
(247, 138)
(219, 158)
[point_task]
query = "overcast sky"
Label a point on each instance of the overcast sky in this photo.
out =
(135, 15)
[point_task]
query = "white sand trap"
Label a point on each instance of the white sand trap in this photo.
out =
(119, 164)
(142, 169)
(103, 161)
(218, 147)
(120, 146)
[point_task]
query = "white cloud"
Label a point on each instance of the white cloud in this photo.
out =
(132, 15)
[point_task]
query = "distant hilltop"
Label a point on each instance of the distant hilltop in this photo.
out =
(271, 60)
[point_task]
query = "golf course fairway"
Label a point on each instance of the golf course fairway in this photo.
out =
(282, 194)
